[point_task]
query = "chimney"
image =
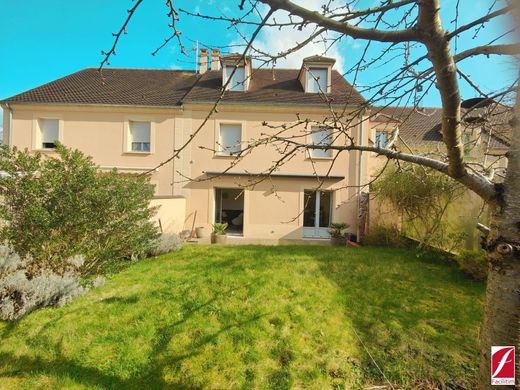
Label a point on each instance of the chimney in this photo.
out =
(203, 61)
(215, 59)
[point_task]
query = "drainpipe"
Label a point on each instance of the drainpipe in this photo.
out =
(361, 167)
(9, 124)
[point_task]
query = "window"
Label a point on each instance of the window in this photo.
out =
(49, 132)
(381, 138)
(238, 80)
(139, 136)
(321, 136)
(229, 139)
(317, 80)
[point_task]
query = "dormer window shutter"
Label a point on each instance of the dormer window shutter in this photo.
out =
(317, 80)
(238, 80)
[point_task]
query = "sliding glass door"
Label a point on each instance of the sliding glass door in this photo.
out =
(317, 214)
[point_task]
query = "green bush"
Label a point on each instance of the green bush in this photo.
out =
(473, 263)
(219, 229)
(55, 207)
(385, 236)
(422, 197)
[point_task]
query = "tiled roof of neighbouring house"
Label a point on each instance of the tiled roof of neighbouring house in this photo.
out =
(422, 126)
(168, 88)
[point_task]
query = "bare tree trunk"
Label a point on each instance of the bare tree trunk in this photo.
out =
(501, 325)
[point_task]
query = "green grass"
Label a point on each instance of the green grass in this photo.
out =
(255, 317)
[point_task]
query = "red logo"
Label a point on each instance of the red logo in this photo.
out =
(502, 365)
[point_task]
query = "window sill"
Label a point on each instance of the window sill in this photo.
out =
(225, 155)
(133, 153)
(320, 158)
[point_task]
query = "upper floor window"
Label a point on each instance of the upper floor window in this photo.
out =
(140, 136)
(381, 138)
(317, 80)
(229, 139)
(50, 131)
(321, 136)
(238, 79)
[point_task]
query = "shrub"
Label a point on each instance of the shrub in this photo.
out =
(473, 263)
(219, 229)
(422, 197)
(336, 229)
(58, 206)
(385, 236)
(167, 243)
(23, 291)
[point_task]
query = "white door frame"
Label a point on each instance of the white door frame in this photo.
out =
(317, 231)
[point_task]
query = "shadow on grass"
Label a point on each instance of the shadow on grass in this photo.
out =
(412, 315)
(152, 376)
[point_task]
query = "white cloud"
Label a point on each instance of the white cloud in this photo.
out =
(274, 41)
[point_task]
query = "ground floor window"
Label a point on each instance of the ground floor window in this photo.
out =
(317, 213)
(229, 208)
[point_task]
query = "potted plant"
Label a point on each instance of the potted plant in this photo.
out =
(218, 236)
(337, 237)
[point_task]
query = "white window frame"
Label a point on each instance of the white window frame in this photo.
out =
(311, 142)
(218, 147)
(310, 79)
(37, 143)
(127, 135)
(387, 133)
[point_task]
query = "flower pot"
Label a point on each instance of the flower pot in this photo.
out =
(218, 239)
(338, 241)
(199, 231)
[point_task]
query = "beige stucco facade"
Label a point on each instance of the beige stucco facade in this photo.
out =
(272, 209)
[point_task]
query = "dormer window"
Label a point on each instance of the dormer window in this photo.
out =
(237, 69)
(238, 79)
(316, 74)
(317, 80)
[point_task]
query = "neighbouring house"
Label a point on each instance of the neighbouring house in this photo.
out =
(486, 138)
(133, 119)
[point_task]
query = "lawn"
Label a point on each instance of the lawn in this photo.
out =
(256, 317)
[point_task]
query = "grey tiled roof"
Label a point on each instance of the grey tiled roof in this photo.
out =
(278, 86)
(155, 87)
(422, 126)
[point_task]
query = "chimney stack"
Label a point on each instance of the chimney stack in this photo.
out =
(203, 61)
(215, 59)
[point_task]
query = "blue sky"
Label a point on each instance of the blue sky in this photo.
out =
(42, 41)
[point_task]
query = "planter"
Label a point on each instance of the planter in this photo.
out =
(199, 231)
(218, 239)
(338, 241)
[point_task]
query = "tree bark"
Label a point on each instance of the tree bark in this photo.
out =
(501, 326)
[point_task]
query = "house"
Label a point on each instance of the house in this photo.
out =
(133, 120)
(485, 134)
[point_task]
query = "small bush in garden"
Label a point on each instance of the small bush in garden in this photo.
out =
(473, 263)
(58, 206)
(167, 243)
(24, 288)
(385, 236)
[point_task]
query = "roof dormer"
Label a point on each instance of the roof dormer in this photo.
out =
(315, 74)
(241, 77)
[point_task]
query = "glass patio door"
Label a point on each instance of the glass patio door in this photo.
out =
(317, 213)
